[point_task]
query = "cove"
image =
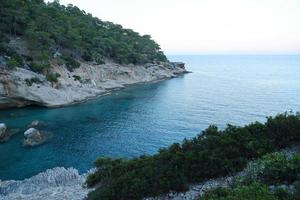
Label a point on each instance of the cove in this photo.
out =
(142, 118)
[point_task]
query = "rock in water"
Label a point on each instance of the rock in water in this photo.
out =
(33, 137)
(3, 131)
(35, 124)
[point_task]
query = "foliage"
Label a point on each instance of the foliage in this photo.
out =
(50, 27)
(255, 191)
(77, 78)
(12, 63)
(35, 80)
(36, 67)
(252, 191)
(213, 153)
(71, 63)
(52, 77)
(275, 168)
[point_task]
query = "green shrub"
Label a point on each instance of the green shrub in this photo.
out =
(255, 191)
(100, 61)
(280, 168)
(87, 56)
(71, 63)
(12, 63)
(275, 168)
(77, 78)
(39, 68)
(53, 78)
(35, 80)
(213, 153)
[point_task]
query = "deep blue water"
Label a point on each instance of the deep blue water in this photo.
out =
(143, 118)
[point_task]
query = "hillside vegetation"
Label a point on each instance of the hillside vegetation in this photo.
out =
(273, 177)
(36, 34)
(213, 153)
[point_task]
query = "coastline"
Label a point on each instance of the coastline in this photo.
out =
(53, 184)
(66, 183)
(94, 81)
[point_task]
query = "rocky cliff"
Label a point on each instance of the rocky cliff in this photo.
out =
(53, 184)
(21, 86)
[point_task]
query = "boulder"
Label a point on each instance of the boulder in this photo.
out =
(33, 137)
(3, 131)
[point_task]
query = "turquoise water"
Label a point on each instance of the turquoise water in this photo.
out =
(143, 118)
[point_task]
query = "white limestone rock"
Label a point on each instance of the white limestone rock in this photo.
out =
(95, 80)
(2, 130)
(54, 184)
(33, 137)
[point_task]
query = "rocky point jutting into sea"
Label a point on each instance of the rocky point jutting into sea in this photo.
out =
(21, 87)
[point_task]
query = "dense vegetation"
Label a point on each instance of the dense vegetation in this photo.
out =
(270, 178)
(213, 153)
(36, 33)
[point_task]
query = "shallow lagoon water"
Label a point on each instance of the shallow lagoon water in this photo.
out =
(143, 118)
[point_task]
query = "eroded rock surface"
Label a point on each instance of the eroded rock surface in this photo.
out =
(54, 184)
(33, 137)
(22, 87)
(2, 130)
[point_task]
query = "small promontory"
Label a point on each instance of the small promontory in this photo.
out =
(54, 55)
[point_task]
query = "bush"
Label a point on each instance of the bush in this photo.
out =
(212, 154)
(77, 78)
(100, 61)
(275, 168)
(35, 80)
(71, 63)
(12, 63)
(39, 68)
(52, 77)
(255, 191)
(280, 168)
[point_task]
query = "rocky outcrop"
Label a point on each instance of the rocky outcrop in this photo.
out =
(23, 87)
(6, 133)
(33, 137)
(54, 184)
(3, 131)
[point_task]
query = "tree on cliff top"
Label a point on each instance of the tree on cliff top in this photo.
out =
(48, 27)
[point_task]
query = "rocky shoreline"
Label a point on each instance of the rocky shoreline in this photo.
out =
(60, 183)
(22, 87)
(54, 184)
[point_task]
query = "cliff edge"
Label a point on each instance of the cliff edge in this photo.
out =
(22, 87)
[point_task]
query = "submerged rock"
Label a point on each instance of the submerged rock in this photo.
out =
(33, 137)
(36, 124)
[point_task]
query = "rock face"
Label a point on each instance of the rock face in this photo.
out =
(33, 137)
(54, 184)
(2, 131)
(22, 87)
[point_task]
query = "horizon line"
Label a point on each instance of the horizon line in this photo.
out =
(228, 54)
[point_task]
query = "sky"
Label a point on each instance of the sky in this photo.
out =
(207, 26)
